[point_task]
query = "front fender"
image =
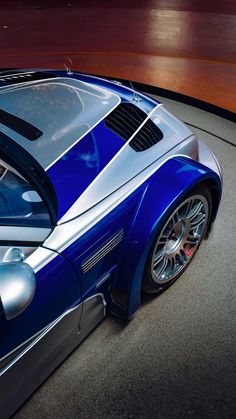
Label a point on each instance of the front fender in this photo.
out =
(163, 191)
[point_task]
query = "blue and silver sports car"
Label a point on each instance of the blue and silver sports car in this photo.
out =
(104, 194)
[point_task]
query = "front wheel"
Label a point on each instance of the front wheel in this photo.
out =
(178, 240)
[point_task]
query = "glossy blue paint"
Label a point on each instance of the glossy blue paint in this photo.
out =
(162, 191)
(120, 218)
(62, 283)
(140, 215)
(77, 168)
(57, 289)
(83, 162)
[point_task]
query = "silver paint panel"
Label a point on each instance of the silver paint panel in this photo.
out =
(94, 311)
(207, 157)
(127, 163)
(7, 359)
(112, 82)
(48, 350)
(65, 234)
(40, 336)
(40, 258)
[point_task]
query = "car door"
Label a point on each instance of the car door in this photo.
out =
(38, 287)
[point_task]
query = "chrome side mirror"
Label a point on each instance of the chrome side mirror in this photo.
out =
(17, 283)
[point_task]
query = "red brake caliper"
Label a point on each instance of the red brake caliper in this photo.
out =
(188, 250)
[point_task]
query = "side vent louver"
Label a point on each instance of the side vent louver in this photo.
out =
(102, 251)
(19, 77)
(126, 119)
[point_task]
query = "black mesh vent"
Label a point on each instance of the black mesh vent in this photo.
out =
(19, 125)
(19, 77)
(126, 119)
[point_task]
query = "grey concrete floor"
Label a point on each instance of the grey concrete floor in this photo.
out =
(176, 357)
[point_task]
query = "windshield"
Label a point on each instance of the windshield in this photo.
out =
(20, 204)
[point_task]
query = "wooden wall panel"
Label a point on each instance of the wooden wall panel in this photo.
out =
(181, 45)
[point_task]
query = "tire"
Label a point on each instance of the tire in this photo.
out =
(178, 240)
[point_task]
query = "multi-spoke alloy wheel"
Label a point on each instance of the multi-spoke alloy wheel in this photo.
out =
(178, 241)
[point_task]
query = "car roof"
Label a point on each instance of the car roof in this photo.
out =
(48, 117)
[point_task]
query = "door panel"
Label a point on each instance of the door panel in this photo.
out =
(57, 289)
(100, 249)
(27, 216)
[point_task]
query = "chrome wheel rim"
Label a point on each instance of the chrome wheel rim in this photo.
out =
(179, 239)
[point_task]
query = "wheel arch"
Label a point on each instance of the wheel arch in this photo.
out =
(169, 185)
(216, 197)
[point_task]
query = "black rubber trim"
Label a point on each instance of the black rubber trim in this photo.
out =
(16, 156)
(2, 315)
(21, 243)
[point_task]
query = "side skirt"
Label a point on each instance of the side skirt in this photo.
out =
(23, 375)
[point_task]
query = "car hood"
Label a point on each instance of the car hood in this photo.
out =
(80, 166)
(102, 162)
(60, 121)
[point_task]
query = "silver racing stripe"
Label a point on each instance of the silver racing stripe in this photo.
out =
(24, 348)
(16, 351)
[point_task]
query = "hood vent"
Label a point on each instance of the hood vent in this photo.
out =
(126, 119)
(19, 77)
(19, 125)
